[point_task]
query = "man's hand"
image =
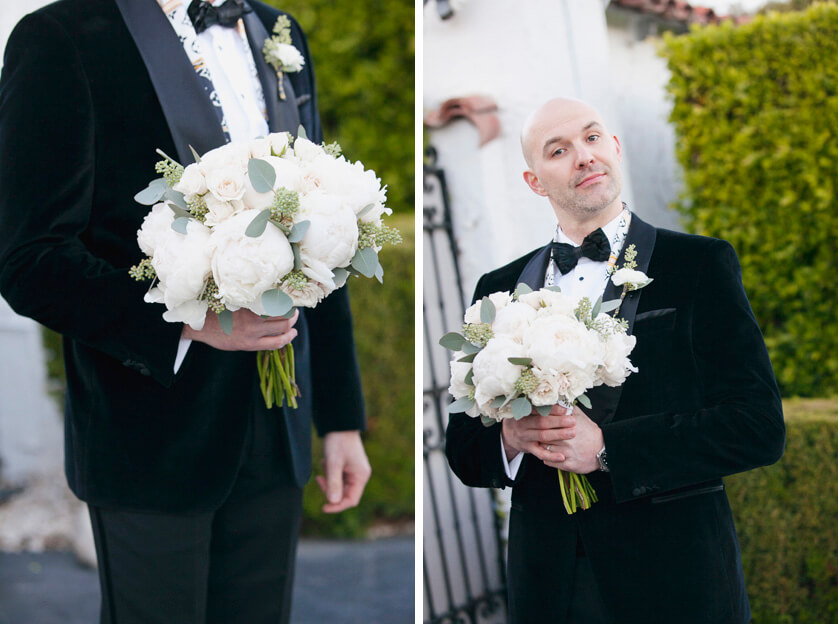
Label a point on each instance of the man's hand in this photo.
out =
(347, 470)
(579, 450)
(251, 332)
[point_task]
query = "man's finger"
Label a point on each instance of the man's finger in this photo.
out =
(334, 481)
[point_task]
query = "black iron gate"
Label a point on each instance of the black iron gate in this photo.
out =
(464, 570)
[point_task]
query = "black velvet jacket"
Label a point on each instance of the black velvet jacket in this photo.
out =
(89, 90)
(703, 405)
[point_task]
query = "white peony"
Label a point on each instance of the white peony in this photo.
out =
(617, 366)
(358, 187)
(193, 313)
(549, 302)
(308, 297)
(287, 55)
(306, 151)
(192, 182)
(156, 225)
(182, 264)
(245, 267)
(500, 299)
(288, 175)
(231, 154)
(512, 320)
(332, 236)
(494, 375)
(226, 183)
(635, 279)
(459, 388)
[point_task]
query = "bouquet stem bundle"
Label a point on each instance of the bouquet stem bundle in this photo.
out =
(276, 377)
(577, 491)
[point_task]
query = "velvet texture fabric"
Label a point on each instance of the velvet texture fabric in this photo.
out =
(80, 119)
(704, 404)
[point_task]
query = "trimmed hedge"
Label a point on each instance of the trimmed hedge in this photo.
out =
(786, 515)
(756, 113)
(363, 55)
(384, 319)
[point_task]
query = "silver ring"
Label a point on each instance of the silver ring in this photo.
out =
(548, 447)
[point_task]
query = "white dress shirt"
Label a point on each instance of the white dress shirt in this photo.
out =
(587, 279)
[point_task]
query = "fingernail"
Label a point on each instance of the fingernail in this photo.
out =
(334, 498)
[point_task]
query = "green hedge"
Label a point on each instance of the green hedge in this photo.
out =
(756, 114)
(383, 319)
(786, 520)
(363, 54)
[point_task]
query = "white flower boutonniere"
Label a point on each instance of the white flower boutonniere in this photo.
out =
(281, 54)
(628, 276)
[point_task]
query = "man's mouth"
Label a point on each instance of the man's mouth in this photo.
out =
(591, 179)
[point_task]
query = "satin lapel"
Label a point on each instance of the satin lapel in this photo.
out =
(604, 400)
(188, 111)
(535, 270)
(282, 114)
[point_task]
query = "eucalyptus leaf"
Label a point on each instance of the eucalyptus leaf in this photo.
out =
(179, 225)
(497, 402)
(258, 225)
(365, 210)
(544, 410)
(487, 310)
(597, 307)
(153, 193)
(520, 361)
(340, 276)
(609, 306)
(509, 399)
(379, 273)
(469, 378)
(225, 320)
(176, 197)
(486, 421)
(470, 348)
(584, 400)
(180, 213)
(262, 175)
(469, 357)
(365, 261)
(276, 302)
(452, 341)
(285, 230)
(460, 405)
(521, 407)
(523, 289)
(298, 261)
(553, 289)
(298, 231)
(301, 132)
(195, 154)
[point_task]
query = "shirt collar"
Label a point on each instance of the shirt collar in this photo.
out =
(609, 228)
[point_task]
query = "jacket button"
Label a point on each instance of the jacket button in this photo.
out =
(638, 491)
(495, 483)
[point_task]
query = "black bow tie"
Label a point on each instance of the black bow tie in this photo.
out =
(595, 246)
(204, 15)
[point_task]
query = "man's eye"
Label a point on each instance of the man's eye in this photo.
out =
(559, 151)
(593, 138)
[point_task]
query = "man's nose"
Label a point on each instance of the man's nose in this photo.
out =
(584, 157)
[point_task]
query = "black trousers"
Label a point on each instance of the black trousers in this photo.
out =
(232, 565)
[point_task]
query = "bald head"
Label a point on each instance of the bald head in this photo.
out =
(535, 135)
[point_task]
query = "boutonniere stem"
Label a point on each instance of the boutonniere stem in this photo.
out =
(281, 54)
(628, 276)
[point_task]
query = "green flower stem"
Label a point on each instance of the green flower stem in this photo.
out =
(577, 491)
(276, 376)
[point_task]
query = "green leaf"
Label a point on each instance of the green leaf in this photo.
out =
(176, 197)
(179, 225)
(278, 224)
(523, 289)
(520, 361)
(195, 154)
(469, 378)
(276, 302)
(179, 212)
(262, 175)
(467, 358)
(365, 210)
(340, 276)
(301, 132)
(298, 261)
(486, 421)
(553, 289)
(544, 410)
(597, 306)
(608, 306)
(452, 341)
(487, 310)
(379, 273)
(521, 407)
(225, 319)
(365, 261)
(298, 231)
(498, 402)
(258, 225)
(470, 348)
(584, 400)
(153, 193)
(460, 405)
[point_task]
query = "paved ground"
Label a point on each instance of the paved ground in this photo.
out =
(339, 582)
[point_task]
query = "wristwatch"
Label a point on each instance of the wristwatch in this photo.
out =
(602, 458)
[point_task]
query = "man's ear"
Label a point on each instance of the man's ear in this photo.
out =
(532, 181)
(619, 148)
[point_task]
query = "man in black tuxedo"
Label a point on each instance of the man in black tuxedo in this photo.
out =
(194, 486)
(660, 545)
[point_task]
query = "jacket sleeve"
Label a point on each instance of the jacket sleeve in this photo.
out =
(739, 425)
(47, 149)
(473, 450)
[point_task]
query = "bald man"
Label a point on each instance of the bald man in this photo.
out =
(660, 545)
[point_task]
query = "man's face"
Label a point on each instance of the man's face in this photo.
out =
(573, 160)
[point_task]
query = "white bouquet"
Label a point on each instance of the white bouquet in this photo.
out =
(268, 225)
(531, 350)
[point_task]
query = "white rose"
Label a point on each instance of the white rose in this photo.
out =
(635, 279)
(155, 225)
(617, 366)
(458, 387)
(279, 142)
(499, 299)
(305, 150)
(332, 236)
(551, 386)
(226, 183)
(288, 56)
(192, 182)
(182, 264)
(218, 211)
(512, 320)
(358, 187)
(549, 302)
(494, 375)
(308, 297)
(245, 267)
(260, 148)
(231, 154)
